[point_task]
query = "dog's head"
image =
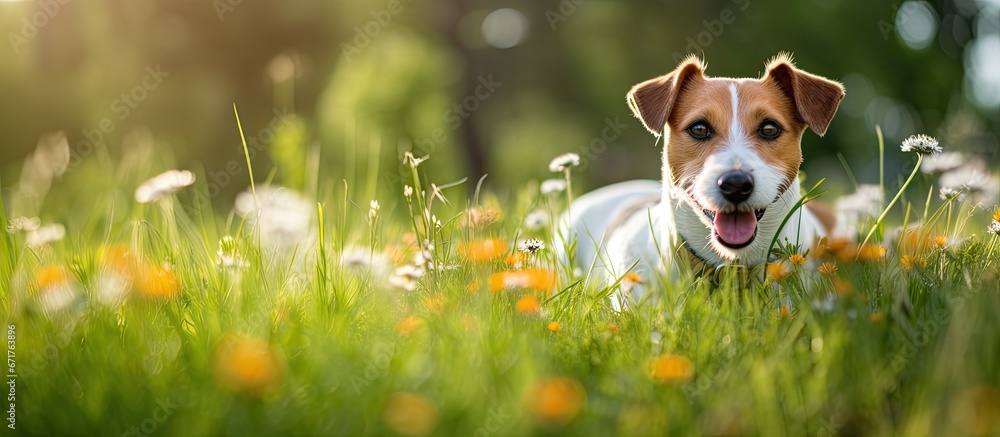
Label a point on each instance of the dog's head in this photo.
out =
(733, 145)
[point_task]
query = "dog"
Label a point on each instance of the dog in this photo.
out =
(731, 157)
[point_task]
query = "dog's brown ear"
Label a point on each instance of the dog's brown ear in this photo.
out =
(816, 99)
(652, 100)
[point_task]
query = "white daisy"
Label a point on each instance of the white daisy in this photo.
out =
(947, 193)
(45, 235)
(165, 183)
(553, 186)
(23, 224)
(282, 216)
(536, 220)
(531, 245)
(994, 228)
(921, 144)
(563, 162)
(942, 162)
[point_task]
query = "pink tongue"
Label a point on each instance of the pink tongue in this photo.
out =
(735, 228)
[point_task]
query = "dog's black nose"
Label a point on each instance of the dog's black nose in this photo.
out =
(736, 186)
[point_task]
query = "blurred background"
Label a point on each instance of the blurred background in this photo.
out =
(485, 87)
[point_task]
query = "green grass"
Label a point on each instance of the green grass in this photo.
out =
(907, 352)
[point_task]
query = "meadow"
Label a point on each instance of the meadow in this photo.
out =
(144, 307)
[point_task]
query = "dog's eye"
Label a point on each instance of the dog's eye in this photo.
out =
(700, 131)
(769, 130)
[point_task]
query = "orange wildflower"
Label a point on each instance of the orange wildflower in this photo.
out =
(472, 286)
(528, 304)
(671, 368)
(797, 259)
(117, 257)
(515, 258)
(876, 317)
(777, 270)
(842, 287)
(614, 328)
(51, 276)
(157, 281)
(435, 303)
(633, 278)
(996, 215)
(827, 268)
(871, 253)
(535, 279)
(556, 401)
(907, 262)
(409, 325)
(785, 312)
(249, 366)
(410, 414)
(397, 254)
(554, 326)
(481, 251)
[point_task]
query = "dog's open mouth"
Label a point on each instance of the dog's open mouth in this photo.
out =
(736, 229)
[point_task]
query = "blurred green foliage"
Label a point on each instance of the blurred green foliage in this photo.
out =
(369, 80)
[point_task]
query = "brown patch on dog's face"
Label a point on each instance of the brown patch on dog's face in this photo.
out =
(710, 101)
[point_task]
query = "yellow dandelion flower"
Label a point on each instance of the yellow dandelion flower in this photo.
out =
(157, 281)
(482, 251)
(797, 259)
(777, 270)
(528, 305)
(410, 414)
(827, 268)
(556, 401)
(409, 325)
(671, 368)
(554, 326)
(249, 366)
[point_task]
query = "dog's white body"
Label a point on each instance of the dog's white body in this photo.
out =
(657, 226)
